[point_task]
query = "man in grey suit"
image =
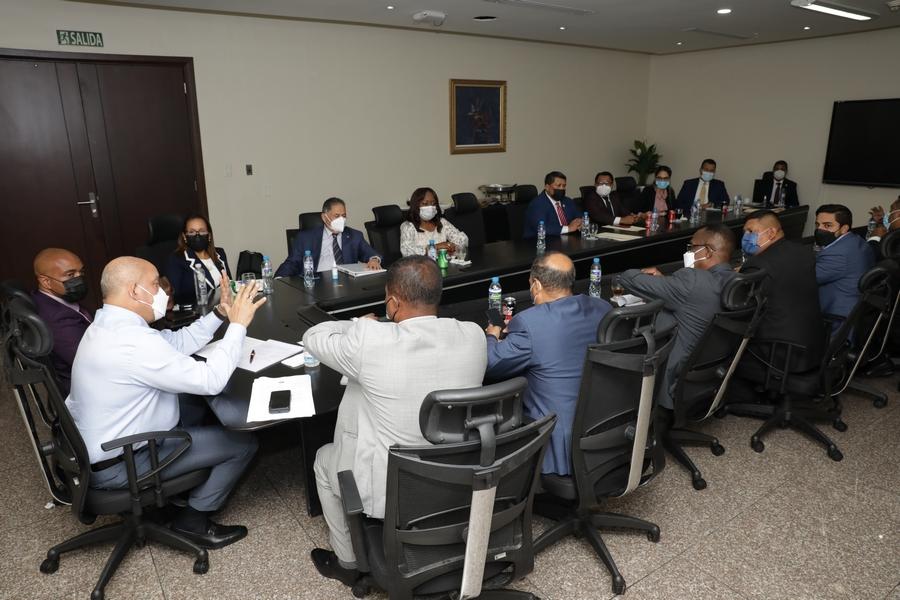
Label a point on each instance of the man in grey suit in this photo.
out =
(390, 368)
(692, 295)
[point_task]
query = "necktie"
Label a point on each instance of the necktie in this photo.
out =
(777, 199)
(561, 214)
(609, 205)
(336, 250)
(703, 193)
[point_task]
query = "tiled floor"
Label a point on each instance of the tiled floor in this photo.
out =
(787, 523)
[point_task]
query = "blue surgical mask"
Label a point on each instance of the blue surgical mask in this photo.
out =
(662, 183)
(707, 175)
(749, 243)
(886, 220)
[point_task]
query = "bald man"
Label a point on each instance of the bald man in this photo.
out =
(60, 288)
(547, 344)
(692, 295)
(126, 379)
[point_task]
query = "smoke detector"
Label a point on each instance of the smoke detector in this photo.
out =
(434, 18)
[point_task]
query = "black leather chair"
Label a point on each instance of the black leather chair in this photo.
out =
(466, 215)
(162, 240)
(628, 193)
(890, 245)
(584, 190)
(702, 381)
(515, 215)
(525, 193)
(458, 513)
(309, 220)
(290, 234)
(384, 232)
(30, 342)
(614, 450)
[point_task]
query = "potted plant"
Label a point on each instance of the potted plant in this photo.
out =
(644, 160)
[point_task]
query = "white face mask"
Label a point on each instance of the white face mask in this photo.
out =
(779, 174)
(337, 224)
(690, 258)
(604, 189)
(427, 213)
(159, 304)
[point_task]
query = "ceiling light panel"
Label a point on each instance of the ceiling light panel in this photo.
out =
(549, 6)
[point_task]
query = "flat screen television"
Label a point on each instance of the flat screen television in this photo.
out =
(864, 143)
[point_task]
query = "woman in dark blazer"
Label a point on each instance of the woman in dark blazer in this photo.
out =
(196, 250)
(658, 193)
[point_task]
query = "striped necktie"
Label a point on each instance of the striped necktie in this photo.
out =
(336, 250)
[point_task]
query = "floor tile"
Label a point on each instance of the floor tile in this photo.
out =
(681, 580)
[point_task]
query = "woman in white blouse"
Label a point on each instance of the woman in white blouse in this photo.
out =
(427, 223)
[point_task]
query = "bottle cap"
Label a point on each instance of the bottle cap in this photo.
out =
(265, 257)
(308, 253)
(596, 260)
(495, 280)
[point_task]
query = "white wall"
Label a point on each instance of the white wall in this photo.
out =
(748, 107)
(358, 112)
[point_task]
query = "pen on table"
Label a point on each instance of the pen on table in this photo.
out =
(252, 355)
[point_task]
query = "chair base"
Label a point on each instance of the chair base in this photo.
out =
(879, 399)
(674, 441)
(588, 525)
(127, 533)
(365, 584)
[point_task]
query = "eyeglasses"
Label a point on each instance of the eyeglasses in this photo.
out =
(694, 247)
(194, 232)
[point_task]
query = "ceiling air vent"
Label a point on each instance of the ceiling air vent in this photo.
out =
(548, 6)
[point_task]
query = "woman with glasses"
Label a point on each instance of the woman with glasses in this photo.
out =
(196, 252)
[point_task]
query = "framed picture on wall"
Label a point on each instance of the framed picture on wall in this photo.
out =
(477, 116)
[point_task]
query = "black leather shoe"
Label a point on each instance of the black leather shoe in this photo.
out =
(328, 566)
(215, 536)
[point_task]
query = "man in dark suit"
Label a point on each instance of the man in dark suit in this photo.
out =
(61, 286)
(559, 213)
(332, 243)
(775, 188)
(547, 344)
(603, 204)
(706, 188)
(842, 259)
(692, 295)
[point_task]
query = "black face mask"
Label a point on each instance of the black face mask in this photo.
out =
(558, 195)
(197, 242)
(824, 238)
(76, 289)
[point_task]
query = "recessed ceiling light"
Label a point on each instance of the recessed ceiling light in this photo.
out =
(807, 28)
(562, 27)
(724, 11)
(390, 7)
(679, 43)
(485, 18)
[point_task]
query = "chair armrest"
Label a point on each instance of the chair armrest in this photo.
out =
(353, 512)
(151, 437)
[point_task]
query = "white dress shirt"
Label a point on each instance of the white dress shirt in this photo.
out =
(326, 256)
(126, 376)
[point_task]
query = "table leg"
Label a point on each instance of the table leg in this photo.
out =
(315, 432)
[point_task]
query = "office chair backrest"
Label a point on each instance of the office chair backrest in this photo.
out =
(290, 235)
(162, 240)
(869, 280)
(525, 193)
(452, 522)
(586, 189)
(309, 220)
(515, 217)
(629, 195)
(466, 215)
(890, 245)
(384, 232)
(611, 432)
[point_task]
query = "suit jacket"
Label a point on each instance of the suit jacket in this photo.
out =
(839, 266)
(353, 246)
(68, 327)
(180, 271)
(763, 188)
(598, 211)
(547, 344)
(692, 298)
(390, 368)
(648, 198)
(792, 312)
(541, 209)
(717, 194)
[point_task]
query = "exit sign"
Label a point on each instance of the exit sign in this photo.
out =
(67, 37)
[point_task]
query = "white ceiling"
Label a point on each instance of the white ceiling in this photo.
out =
(652, 26)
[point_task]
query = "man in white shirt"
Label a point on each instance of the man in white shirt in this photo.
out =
(126, 379)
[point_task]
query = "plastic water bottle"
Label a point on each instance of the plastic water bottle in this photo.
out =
(267, 275)
(495, 294)
(201, 288)
(309, 273)
(585, 225)
(596, 276)
(654, 220)
(309, 361)
(541, 238)
(739, 205)
(871, 228)
(432, 250)
(695, 212)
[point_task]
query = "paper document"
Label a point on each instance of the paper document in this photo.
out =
(302, 404)
(618, 237)
(358, 270)
(265, 353)
(626, 300)
(625, 227)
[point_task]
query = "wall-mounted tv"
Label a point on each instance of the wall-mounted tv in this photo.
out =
(864, 143)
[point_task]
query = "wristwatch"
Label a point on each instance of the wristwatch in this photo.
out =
(220, 313)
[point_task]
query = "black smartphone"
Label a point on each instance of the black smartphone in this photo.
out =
(495, 318)
(280, 401)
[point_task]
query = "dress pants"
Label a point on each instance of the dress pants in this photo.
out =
(332, 509)
(226, 452)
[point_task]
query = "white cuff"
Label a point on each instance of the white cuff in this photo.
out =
(617, 220)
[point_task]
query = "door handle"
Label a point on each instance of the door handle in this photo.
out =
(92, 201)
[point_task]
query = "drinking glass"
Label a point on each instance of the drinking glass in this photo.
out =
(595, 230)
(461, 251)
(248, 278)
(617, 288)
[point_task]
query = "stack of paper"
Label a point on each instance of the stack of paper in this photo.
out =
(302, 404)
(265, 353)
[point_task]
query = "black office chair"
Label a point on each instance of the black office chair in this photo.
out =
(628, 193)
(525, 193)
(890, 245)
(466, 215)
(515, 216)
(384, 232)
(290, 235)
(614, 449)
(309, 220)
(162, 239)
(458, 513)
(30, 341)
(702, 380)
(586, 189)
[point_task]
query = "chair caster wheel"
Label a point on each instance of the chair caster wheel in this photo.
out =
(201, 567)
(757, 445)
(618, 585)
(360, 590)
(835, 454)
(653, 535)
(50, 565)
(699, 483)
(717, 449)
(839, 425)
(97, 595)
(879, 402)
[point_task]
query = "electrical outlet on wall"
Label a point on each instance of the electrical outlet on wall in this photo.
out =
(249, 169)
